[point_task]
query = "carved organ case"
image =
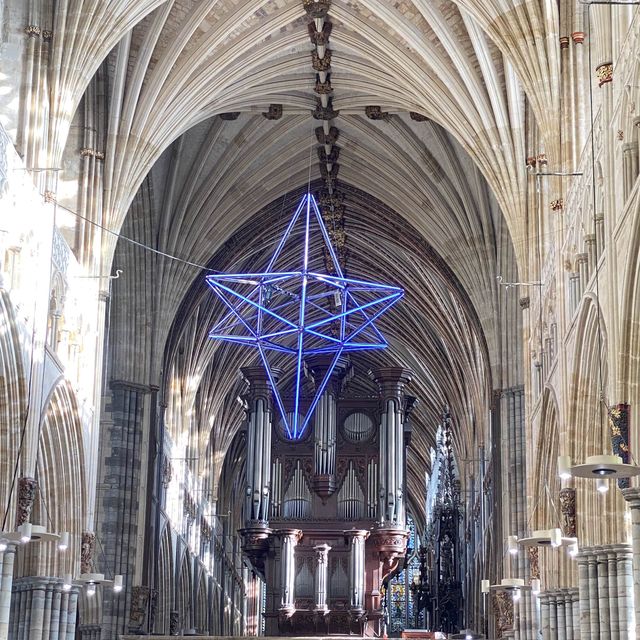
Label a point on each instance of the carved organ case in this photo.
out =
(325, 514)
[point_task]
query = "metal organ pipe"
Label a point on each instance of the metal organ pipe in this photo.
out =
(257, 459)
(325, 432)
(251, 429)
(399, 468)
(382, 508)
(266, 462)
(391, 478)
(297, 499)
(258, 469)
(391, 382)
(372, 488)
(276, 488)
(350, 496)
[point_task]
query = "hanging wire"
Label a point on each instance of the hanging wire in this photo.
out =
(137, 243)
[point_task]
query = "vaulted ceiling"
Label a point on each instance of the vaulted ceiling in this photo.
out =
(434, 184)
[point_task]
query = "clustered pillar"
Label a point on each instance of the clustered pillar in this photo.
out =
(606, 585)
(632, 496)
(6, 581)
(527, 617)
(560, 614)
(51, 611)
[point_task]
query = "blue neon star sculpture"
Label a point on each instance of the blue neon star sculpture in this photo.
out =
(301, 313)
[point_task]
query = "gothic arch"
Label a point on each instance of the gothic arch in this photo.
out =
(557, 567)
(201, 605)
(546, 483)
(628, 387)
(13, 399)
(164, 582)
(184, 593)
(587, 429)
(60, 473)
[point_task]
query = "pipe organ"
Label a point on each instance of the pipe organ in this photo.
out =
(325, 515)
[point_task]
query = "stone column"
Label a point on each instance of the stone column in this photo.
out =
(391, 384)
(288, 540)
(603, 593)
(544, 615)
(594, 601)
(584, 621)
(600, 235)
(632, 496)
(120, 520)
(583, 270)
(612, 575)
(322, 565)
(553, 616)
(560, 616)
(576, 614)
(624, 577)
(35, 623)
(568, 613)
(6, 582)
(356, 538)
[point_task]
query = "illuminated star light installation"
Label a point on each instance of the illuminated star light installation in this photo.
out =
(301, 313)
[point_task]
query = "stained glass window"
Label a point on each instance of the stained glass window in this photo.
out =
(399, 597)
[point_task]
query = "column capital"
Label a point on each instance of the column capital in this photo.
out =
(11, 547)
(293, 534)
(356, 533)
(391, 380)
(621, 550)
(322, 553)
(320, 364)
(632, 496)
(258, 380)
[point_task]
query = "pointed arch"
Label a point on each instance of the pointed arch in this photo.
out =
(60, 473)
(184, 592)
(164, 582)
(587, 431)
(201, 605)
(13, 400)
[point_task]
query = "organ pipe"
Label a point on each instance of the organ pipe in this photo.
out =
(391, 382)
(325, 435)
(350, 497)
(297, 498)
(258, 469)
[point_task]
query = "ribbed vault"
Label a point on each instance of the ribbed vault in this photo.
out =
(461, 64)
(433, 193)
(435, 331)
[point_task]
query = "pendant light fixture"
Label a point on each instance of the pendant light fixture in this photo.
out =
(599, 468)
